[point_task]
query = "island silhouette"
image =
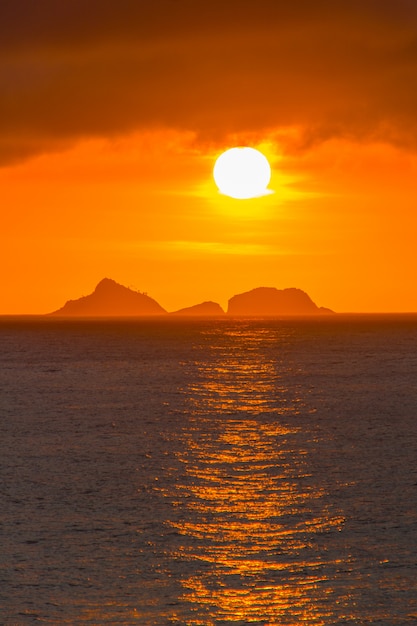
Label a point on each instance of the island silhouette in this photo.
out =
(203, 309)
(269, 301)
(110, 299)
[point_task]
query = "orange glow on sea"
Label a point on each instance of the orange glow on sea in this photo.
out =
(247, 509)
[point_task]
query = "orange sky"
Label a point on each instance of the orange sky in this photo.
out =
(111, 117)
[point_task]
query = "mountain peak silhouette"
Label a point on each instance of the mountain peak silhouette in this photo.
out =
(111, 299)
(107, 284)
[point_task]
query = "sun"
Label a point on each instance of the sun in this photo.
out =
(242, 173)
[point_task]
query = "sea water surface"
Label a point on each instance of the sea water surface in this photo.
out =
(224, 471)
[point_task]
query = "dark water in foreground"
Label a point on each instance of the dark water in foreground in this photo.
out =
(209, 472)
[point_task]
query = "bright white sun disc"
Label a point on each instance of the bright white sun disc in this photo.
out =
(242, 173)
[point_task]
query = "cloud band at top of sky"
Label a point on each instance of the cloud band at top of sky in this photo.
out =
(74, 69)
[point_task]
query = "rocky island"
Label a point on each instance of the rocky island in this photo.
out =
(203, 309)
(269, 301)
(110, 299)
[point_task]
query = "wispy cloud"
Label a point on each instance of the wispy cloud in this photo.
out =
(217, 248)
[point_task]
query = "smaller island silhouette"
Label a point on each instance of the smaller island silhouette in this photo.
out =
(204, 309)
(110, 299)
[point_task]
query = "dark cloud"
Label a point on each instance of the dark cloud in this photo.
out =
(72, 68)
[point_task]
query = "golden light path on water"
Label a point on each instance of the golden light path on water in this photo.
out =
(249, 510)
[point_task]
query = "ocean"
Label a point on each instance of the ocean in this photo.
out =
(209, 471)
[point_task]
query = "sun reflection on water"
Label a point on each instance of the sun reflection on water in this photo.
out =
(240, 376)
(248, 509)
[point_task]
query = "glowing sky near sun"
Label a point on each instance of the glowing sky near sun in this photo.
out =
(112, 116)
